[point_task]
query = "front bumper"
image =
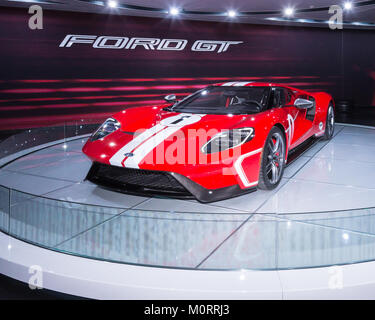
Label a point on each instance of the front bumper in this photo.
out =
(151, 182)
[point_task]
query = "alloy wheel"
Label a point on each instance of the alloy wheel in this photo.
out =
(275, 158)
(330, 121)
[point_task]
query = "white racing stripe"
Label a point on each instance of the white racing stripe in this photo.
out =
(235, 84)
(148, 146)
(240, 84)
(151, 138)
(228, 84)
(119, 156)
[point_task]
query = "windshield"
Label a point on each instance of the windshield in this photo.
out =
(225, 100)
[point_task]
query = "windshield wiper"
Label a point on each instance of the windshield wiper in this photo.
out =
(170, 108)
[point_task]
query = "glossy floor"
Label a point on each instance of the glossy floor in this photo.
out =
(316, 217)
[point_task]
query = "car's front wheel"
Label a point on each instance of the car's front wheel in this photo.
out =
(273, 160)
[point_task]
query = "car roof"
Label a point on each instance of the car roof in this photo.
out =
(256, 84)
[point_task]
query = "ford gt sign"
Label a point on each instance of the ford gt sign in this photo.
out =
(111, 42)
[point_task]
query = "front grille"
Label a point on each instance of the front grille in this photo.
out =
(135, 180)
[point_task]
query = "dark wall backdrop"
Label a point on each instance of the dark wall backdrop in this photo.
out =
(41, 83)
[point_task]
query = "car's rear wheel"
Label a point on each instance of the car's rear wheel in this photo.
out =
(273, 160)
(330, 123)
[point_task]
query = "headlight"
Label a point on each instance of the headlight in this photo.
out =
(228, 140)
(109, 126)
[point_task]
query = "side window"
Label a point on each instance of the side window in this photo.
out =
(289, 97)
(282, 97)
(278, 98)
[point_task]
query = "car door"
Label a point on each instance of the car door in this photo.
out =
(300, 121)
(304, 120)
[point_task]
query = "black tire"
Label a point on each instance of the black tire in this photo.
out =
(330, 123)
(272, 159)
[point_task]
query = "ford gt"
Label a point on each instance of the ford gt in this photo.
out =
(219, 142)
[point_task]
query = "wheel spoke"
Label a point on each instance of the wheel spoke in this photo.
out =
(276, 145)
(270, 146)
(269, 168)
(274, 173)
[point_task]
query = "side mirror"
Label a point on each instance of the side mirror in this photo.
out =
(303, 103)
(170, 98)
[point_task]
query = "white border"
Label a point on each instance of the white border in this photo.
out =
(240, 171)
(105, 280)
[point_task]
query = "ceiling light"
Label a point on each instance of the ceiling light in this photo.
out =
(288, 12)
(348, 5)
(174, 11)
(112, 4)
(231, 13)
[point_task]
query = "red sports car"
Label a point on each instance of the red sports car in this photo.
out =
(220, 142)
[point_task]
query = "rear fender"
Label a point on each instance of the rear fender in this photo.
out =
(322, 101)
